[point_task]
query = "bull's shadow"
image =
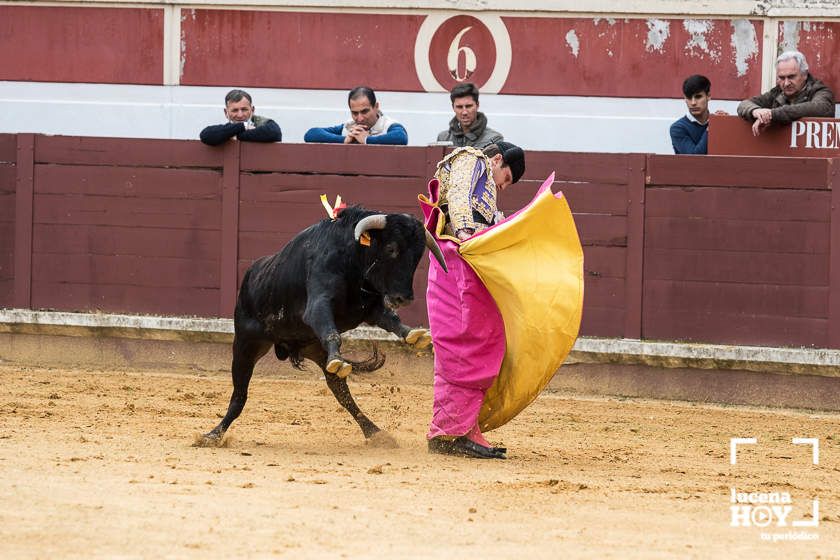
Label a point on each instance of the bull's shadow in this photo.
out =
(328, 279)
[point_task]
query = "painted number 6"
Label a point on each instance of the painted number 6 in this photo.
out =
(454, 54)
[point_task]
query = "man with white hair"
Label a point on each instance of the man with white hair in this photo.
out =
(797, 94)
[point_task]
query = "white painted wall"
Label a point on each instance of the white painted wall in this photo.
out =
(585, 124)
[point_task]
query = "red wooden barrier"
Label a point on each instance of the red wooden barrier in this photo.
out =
(745, 264)
(717, 249)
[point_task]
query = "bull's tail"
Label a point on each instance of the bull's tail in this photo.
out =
(373, 363)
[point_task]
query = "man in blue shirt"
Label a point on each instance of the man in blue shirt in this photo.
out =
(367, 126)
(690, 134)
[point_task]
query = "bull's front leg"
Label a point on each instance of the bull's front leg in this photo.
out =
(417, 337)
(319, 316)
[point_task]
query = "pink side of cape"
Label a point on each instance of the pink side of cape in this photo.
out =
(467, 332)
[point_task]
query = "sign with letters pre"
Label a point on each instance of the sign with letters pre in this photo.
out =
(808, 137)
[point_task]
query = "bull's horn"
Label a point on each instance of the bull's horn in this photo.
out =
(434, 248)
(377, 221)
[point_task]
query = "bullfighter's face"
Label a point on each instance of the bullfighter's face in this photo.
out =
(502, 174)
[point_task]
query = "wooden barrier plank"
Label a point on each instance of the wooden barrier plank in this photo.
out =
(253, 245)
(605, 292)
(8, 179)
(129, 181)
(738, 235)
(734, 299)
(578, 166)
(65, 296)
(136, 212)
(634, 276)
(583, 197)
(602, 230)
(834, 258)
(130, 270)
(125, 240)
(229, 252)
(285, 219)
(594, 198)
(76, 150)
(399, 161)
(745, 172)
(734, 202)
(601, 321)
(8, 148)
(374, 192)
(747, 268)
(24, 194)
(726, 328)
(608, 262)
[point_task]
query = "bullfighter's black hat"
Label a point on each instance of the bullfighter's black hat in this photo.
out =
(514, 157)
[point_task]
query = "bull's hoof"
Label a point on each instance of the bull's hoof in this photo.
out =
(419, 338)
(339, 367)
(211, 439)
(382, 440)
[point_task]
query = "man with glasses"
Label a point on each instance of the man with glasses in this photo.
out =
(797, 94)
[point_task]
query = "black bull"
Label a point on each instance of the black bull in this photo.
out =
(330, 278)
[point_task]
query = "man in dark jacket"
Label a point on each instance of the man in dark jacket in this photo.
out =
(469, 126)
(797, 94)
(242, 123)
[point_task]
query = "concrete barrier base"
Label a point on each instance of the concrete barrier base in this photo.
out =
(776, 377)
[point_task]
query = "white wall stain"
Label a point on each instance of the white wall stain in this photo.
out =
(573, 42)
(790, 36)
(698, 30)
(183, 59)
(658, 32)
(744, 44)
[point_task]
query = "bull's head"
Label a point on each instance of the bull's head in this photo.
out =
(397, 250)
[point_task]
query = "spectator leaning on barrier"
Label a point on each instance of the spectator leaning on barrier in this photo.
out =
(690, 134)
(469, 125)
(242, 123)
(797, 94)
(367, 126)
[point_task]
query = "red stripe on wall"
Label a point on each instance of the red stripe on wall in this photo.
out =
(631, 58)
(96, 45)
(298, 50)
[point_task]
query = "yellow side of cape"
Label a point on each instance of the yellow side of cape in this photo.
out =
(532, 265)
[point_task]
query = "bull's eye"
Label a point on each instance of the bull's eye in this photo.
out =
(392, 251)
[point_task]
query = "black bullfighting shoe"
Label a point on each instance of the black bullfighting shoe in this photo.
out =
(464, 447)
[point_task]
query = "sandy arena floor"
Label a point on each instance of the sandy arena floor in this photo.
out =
(101, 464)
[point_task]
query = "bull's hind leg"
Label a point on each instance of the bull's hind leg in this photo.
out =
(339, 388)
(246, 352)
